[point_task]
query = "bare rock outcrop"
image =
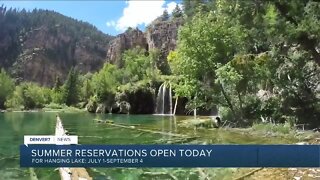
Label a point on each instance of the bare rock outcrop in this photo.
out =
(163, 36)
(130, 39)
(40, 45)
(159, 36)
(45, 55)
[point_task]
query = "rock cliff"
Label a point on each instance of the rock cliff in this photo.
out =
(40, 45)
(130, 39)
(160, 36)
(163, 35)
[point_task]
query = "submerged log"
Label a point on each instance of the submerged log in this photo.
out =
(184, 140)
(177, 140)
(248, 174)
(10, 157)
(132, 127)
(112, 122)
(159, 174)
(98, 120)
(214, 122)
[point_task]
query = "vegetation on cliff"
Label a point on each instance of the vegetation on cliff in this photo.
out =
(104, 87)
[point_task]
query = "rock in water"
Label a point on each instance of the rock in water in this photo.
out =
(124, 107)
(101, 108)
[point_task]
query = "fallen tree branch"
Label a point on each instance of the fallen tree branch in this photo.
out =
(112, 122)
(248, 174)
(176, 140)
(159, 174)
(10, 157)
(147, 130)
(184, 140)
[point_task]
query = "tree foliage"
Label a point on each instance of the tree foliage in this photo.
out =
(139, 65)
(71, 88)
(177, 12)
(28, 96)
(258, 59)
(6, 87)
(105, 82)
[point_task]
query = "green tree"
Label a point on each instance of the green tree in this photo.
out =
(57, 84)
(139, 66)
(257, 59)
(28, 96)
(71, 90)
(86, 88)
(105, 83)
(204, 44)
(177, 12)
(191, 7)
(6, 87)
(57, 95)
(34, 96)
(16, 100)
(295, 23)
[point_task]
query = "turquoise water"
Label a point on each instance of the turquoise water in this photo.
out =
(14, 125)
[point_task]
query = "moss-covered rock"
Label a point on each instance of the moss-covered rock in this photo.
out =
(124, 107)
(101, 108)
(91, 106)
(142, 101)
(139, 97)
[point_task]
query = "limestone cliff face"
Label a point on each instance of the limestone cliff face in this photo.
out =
(44, 56)
(40, 45)
(130, 39)
(163, 36)
(160, 36)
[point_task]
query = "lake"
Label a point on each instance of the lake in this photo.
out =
(14, 125)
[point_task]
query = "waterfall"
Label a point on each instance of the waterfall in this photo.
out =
(170, 99)
(175, 106)
(159, 100)
(164, 100)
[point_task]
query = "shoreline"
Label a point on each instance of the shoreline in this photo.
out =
(265, 130)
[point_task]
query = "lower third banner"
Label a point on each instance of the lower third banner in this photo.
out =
(169, 156)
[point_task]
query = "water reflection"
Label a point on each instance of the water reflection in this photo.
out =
(13, 126)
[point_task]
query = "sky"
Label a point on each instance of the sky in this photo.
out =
(111, 17)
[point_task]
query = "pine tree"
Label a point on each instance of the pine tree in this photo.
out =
(165, 16)
(71, 88)
(57, 84)
(177, 12)
(191, 7)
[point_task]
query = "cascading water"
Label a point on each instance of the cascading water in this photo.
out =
(160, 103)
(170, 99)
(164, 100)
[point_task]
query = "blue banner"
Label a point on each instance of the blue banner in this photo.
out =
(170, 156)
